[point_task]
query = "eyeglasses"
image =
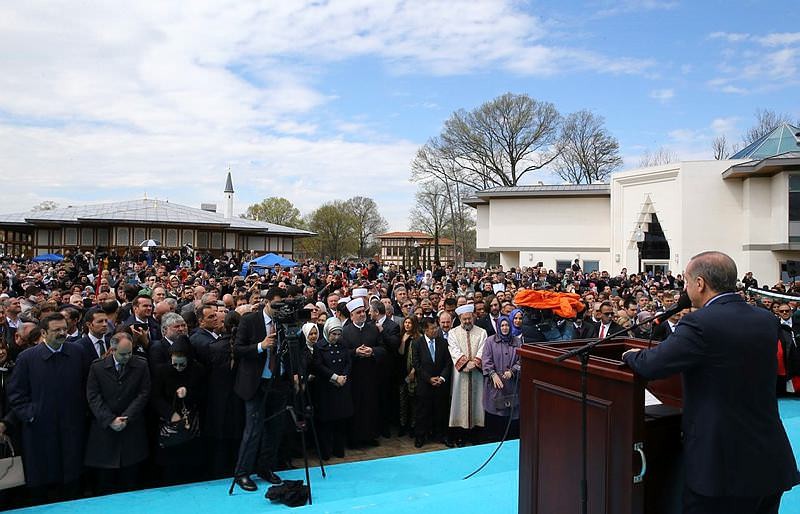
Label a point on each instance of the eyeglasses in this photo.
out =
(784, 310)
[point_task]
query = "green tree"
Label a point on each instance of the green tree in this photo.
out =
(335, 226)
(368, 222)
(275, 210)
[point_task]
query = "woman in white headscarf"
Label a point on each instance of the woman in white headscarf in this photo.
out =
(332, 364)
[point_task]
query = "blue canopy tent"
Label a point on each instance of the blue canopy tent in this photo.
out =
(48, 257)
(266, 261)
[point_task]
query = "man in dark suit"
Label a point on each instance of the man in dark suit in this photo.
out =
(666, 328)
(172, 326)
(73, 317)
(390, 333)
(262, 386)
(47, 395)
(737, 455)
(118, 389)
(433, 368)
(94, 343)
(142, 316)
(209, 321)
(607, 324)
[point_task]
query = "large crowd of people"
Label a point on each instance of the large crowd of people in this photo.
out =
(119, 374)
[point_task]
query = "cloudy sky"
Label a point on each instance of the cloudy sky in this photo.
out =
(319, 100)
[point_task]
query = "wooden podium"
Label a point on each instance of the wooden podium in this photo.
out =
(633, 451)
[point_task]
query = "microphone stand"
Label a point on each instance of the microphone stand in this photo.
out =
(584, 353)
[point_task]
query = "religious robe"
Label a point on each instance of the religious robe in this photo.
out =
(365, 380)
(466, 406)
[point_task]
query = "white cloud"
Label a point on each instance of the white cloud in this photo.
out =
(615, 7)
(662, 95)
(724, 126)
(780, 39)
(732, 37)
(100, 103)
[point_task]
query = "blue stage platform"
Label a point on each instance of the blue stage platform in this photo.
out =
(428, 482)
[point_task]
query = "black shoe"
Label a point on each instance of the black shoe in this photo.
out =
(246, 483)
(271, 477)
(372, 443)
(401, 432)
(460, 443)
(419, 442)
(449, 443)
(338, 453)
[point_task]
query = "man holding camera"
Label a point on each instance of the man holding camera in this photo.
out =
(262, 386)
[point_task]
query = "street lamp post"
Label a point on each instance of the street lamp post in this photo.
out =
(416, 255)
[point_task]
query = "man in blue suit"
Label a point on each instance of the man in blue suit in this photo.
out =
(737, 455)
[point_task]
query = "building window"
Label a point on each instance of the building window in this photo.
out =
(87, 237)
(123, 235)
(139, 235)
(71, 236)
(590, 266)
(287, 244)
(794, 208)
(216, 240)
(102, 237)
(42, 238)
(202, 239)
(561, 266)
(155, 233)
(187, 237)
(172, 237)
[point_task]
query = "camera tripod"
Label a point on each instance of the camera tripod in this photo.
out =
(289, 344)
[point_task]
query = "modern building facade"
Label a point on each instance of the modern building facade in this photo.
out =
(657, 218)
(415, 249)
(124, 225)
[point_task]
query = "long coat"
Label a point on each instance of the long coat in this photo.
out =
(224, 409)
(333, 402)
(734, 440)
(46, 393)
(466, 407)
(366, 377)
(110, 395)
(500, 357)
(166, 381)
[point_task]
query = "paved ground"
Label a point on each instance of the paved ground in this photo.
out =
(392, 447)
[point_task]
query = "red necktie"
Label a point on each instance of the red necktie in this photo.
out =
(602, 331)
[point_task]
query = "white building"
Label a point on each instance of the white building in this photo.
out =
(658, 217)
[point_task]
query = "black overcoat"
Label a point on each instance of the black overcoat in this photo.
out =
(47, 394)
(111, 395)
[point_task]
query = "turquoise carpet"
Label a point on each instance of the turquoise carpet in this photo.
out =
(415, 483)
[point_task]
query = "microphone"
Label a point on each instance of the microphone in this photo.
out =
(684, 302)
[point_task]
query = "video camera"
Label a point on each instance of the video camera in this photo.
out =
(291, 311)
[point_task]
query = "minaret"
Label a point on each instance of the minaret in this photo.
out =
(229, 196)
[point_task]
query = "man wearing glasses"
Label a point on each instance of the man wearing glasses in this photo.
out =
(607, 325)
(47, 394)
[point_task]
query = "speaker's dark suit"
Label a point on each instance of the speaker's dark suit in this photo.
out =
(735, 443)
(433, 403)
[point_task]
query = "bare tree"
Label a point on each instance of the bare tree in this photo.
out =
(720, 147)
(368, 221)
(767, 120)
(430, 212)
(497, 143)
(661, 156)
(589, 153)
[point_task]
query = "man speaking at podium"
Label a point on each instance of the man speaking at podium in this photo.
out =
(737, 455)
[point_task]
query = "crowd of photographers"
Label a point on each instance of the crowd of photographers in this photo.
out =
(99, 355)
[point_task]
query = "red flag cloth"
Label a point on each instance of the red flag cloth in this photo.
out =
(566, 305)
